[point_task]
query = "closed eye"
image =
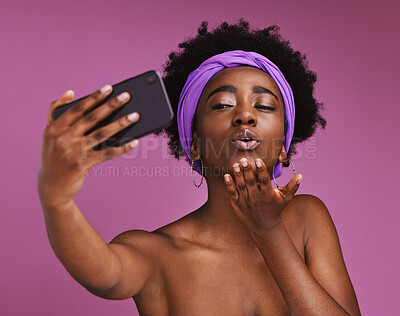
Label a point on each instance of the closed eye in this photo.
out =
(266, 107)
(221, 105)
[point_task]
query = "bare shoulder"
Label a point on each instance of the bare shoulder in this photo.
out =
(153, 242)
(313, 211)
(306, 203)
(307, 212)
(143, 240)
(139, 255)
(323, 252)
(308, 207)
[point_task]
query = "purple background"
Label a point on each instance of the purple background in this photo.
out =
(48, 47)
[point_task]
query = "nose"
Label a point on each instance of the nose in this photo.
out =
(244, 115)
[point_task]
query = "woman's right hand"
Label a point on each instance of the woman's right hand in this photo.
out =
(67, 154)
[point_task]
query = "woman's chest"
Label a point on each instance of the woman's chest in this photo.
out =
(196, 279)
(194, 282)
(225, 286)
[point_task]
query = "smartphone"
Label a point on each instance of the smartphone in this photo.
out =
(148, 97)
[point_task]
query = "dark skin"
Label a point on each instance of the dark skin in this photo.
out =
(249, 250)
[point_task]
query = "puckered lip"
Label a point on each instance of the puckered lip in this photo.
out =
(245, 133)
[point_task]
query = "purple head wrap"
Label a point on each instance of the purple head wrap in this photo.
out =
(197, 80)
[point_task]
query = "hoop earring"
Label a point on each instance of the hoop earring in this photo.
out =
(273, 171)
(202, 176)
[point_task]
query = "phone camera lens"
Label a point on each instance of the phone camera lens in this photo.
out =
(151, 79)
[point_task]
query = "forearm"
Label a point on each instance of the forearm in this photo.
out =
(301, 291)
(79, 247)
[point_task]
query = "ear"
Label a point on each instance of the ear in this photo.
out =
(283, 155)
(194, 148)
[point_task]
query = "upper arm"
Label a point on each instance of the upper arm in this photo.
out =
(135, 253)
(324, 256)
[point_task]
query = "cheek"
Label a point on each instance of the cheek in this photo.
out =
(213, 144)
(273, 138)
(272, 126)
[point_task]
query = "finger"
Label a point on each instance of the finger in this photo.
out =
(78, 110)
(230, 186)
(234, 194)
(239, 180)
(237, 209)
(105, 132)
(67, 97)
(263, 177)
(90, 120)
(290, 189)
(249, 178)
(98, 156)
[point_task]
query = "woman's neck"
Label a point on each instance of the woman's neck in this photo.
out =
(218, 218)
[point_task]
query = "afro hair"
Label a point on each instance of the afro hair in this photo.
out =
(239, 36)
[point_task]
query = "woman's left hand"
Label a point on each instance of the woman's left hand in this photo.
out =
(258, 205)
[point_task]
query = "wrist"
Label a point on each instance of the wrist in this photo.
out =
(55, 204)
(265, 229)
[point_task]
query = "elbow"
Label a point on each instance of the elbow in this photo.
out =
(106, 293)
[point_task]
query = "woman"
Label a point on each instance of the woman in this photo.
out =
(243, 100)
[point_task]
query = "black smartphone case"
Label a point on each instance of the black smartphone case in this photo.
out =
(148, 97)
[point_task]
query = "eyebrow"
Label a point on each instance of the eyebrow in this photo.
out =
(233, 89)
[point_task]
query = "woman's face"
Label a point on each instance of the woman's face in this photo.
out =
(246, 98)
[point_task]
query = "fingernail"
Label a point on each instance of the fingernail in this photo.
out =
(123, 96)
(134, 143)
(236, 168)
(67, 93)
(298, 181)
(258, 163)
(133, 116)
(244, 163)
(227, 179)
(106, 88)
